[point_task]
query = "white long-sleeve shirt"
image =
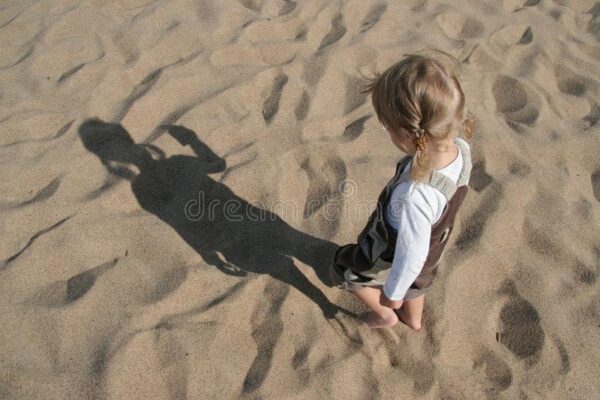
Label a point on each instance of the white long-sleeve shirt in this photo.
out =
(414, 207)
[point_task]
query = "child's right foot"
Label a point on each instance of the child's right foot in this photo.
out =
(375, 321)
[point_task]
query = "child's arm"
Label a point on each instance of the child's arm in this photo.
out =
(414, 217)
(384, 301)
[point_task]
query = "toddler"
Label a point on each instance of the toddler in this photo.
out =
(420, 103)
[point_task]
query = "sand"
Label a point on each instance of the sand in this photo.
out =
(117, 115)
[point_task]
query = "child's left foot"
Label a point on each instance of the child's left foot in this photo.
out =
(375, 320)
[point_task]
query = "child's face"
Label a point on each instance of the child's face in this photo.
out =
(403, 140)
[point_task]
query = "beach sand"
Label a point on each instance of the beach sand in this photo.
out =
(124, 123)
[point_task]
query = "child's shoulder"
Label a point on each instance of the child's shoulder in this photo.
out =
(418, 196)
(463, 142)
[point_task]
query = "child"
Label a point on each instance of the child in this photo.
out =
(420, 102)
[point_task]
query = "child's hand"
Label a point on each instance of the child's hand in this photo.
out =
(182, 134)
(384, 301)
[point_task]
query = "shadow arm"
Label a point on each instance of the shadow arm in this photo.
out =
(187, 137)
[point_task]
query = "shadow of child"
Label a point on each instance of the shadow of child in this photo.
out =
(226, 230)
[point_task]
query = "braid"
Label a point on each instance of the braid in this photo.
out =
(421, 169)
(421, 139)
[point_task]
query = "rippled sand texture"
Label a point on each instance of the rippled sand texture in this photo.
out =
(108, 291)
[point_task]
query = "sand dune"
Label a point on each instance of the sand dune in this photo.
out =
(117, 117)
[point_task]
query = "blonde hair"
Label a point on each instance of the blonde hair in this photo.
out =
(423, 95)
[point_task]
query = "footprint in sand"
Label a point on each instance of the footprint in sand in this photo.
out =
(316, 177)
(583, 209)
(355, 128)
(565, 360)
(155, 361)
(459, 26)
(497, 371)
(64, 292)
(519, 168)
(267, 327)
(354, 98)
(301, 109)
(594, 23)
(271, 104)
(517, 5)
(313, 70)
(299, 362)
(254, 5)
(595, 178)
(585, 274)
(154, 285)
(542, 242)
(288, 7)
(519, 34)
(372, 17)
(420, 371)
(338, 29)
(300, 355)
(520, 329)
(325, 178)
(474, 225)
(147, 290)
(593, 116)
(517, 103)
(480, 179)
(172, 362)
(328, 131)
(570, 82)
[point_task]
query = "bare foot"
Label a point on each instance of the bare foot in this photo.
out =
(375, 321)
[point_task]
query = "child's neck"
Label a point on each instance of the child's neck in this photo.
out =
(442, 153)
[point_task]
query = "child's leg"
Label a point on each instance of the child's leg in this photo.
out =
(411, 312)
(381, 316)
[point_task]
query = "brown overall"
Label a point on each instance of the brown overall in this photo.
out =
(368, 262)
